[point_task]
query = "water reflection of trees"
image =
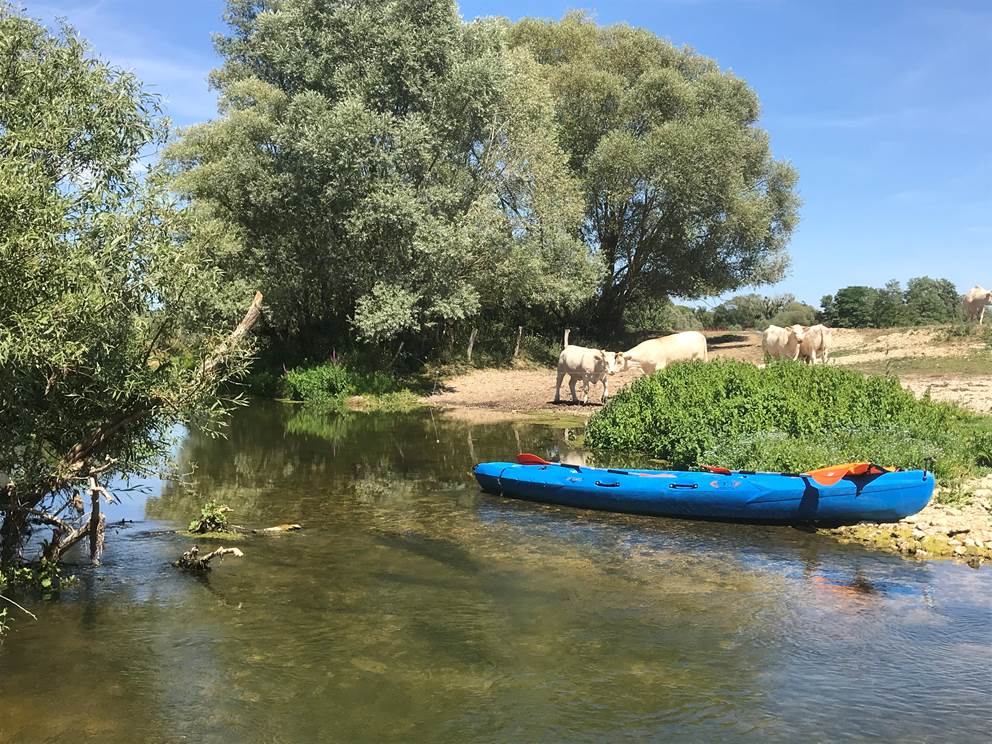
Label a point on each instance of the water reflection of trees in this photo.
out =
(287, 463)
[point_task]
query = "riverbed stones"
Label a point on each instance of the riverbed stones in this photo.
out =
(962, 532)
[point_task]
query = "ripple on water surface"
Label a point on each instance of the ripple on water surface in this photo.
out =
(413, 607)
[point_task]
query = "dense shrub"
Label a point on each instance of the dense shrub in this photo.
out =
(786, 416)
(319, 384)
(330, 383)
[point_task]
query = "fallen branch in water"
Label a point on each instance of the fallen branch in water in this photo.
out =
(22, 609)
(278, 529)
(191, 561)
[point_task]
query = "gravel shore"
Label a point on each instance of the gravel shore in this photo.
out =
(962, 533)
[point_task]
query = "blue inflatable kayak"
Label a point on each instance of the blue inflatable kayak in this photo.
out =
(845, 494)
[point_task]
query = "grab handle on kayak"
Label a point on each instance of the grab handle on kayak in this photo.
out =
(683, 485)
(614, 484)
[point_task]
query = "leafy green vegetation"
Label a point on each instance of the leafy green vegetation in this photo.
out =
(671, 163)
(787, 417)
(387, 171)
(213, 518)
(328, 385)
(758, 311)
(112, 313)
(924, 301)
(973, 364)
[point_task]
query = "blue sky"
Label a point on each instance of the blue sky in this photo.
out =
(884, 108)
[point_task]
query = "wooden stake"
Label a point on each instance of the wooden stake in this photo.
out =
(520, 333)
(565, 342)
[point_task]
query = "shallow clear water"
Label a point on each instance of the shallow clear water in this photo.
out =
(415, 608)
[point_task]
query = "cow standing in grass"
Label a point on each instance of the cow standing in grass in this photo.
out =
(589, 365)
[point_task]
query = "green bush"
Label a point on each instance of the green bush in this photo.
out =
(319, 384)
(787, 416)
(327, 385)
(213, 518)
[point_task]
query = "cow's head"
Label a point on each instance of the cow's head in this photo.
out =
(797, 332)
(613, 359)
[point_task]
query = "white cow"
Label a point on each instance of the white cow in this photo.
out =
(815, 344)
(782, 343)
(975, 301)
(658, 353)
(588, 365)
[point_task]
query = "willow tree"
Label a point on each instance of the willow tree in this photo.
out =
(387, 169)
(682, 195)
(112, 323)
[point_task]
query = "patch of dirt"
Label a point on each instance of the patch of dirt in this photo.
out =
(974, 393)
(519, 391)
(856, 346)
(515, 392)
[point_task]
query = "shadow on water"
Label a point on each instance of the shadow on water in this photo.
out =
(414, 607)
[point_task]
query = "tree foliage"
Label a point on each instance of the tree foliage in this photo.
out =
(107, 305)
(682, 196)
(759, 311)
(387, 170)
(924, 300)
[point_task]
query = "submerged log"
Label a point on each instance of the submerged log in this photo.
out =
(279, 528)
(191, 560)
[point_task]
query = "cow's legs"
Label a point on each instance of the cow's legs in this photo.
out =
(571, 386)
(561, 376)
(981, 315)
(606, 389)
(585, 390)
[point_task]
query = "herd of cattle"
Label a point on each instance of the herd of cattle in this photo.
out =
(811, 344)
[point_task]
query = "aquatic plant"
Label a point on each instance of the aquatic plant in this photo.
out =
(213, 518)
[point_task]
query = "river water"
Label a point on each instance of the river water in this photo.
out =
(415, 608)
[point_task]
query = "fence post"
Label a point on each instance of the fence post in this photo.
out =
(565, 342)
(520, 332)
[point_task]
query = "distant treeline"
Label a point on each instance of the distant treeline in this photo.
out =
(923, 301)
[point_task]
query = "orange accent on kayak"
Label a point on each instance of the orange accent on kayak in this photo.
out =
(831, 475)
(716, 469)
(525, 458)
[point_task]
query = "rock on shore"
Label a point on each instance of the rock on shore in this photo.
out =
(939, 531)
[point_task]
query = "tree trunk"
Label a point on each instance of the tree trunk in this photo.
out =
(520, 333)
(471, 343)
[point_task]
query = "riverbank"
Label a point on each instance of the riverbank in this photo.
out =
(957, 525)
(962, 531)
(925, 360)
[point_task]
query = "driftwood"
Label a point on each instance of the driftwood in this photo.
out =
(278, 529)
(191, 560)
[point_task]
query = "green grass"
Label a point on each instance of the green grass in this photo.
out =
(976, 363)
(788, 417)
